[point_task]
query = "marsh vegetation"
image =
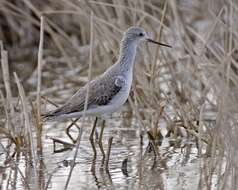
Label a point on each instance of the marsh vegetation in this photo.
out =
(178, 129)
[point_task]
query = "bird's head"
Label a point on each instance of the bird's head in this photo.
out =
(137, 35)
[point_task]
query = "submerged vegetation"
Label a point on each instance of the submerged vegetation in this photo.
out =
(191, 90)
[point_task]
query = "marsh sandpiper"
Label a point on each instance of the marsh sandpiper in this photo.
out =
(109, 91)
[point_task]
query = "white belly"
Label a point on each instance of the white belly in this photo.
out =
(122, 96)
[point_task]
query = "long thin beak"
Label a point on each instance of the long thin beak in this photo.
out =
(158, 43)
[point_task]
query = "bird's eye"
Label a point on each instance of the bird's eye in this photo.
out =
(141, 34)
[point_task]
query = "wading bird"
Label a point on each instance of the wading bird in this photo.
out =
(109, 91)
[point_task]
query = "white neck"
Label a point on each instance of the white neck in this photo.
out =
(127, 54)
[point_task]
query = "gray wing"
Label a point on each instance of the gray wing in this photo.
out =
(109, 90)
(101, 92)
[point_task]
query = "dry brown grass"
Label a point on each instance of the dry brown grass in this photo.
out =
(196, 81)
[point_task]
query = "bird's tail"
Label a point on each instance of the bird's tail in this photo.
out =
(51, 116)
(48, 117)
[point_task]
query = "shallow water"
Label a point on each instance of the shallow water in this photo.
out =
(177, 167)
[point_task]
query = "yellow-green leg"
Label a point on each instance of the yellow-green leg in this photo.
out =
(91, 138)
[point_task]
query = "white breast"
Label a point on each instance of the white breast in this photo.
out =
(121, 97)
